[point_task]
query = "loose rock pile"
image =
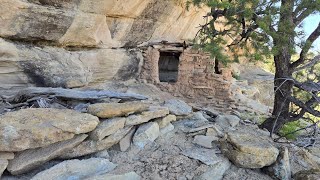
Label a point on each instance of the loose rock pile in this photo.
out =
(148, 140)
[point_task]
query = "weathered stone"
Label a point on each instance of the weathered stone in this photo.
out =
(3, 166)
(313, 174)
(76, 169)
(241, 173)
(33, 128)
(127, 176)
(216, 171)
(107, 127)
(102, 154)
(163, 122)
(109, 110)
(178, 107)
(207, 156)
(152, 113)
(301, 159)
(227, 121)
(166, 129)
(205, 141)
(6, 155)
(33, 158)
(145, 134)
(91, 146)
(248, 150)
(215, 132)
(314, 151)
(126, 141)
(281, 168)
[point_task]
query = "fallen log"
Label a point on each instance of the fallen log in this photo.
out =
(71, 94)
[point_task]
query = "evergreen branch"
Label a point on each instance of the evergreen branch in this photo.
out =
(305, 49)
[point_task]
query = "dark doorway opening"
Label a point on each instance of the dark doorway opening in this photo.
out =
(169, 66)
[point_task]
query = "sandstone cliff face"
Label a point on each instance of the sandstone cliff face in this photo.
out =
(75, 43)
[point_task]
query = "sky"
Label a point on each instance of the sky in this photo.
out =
(309, 25)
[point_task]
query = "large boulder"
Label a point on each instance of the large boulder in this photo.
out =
(249, 150)
(76, 169)
(33, 128)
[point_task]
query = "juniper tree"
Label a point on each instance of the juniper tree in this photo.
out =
(266, 28)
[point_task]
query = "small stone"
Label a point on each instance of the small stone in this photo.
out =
(281, 168)
(76, 169)
(127, 176)
(207, 156)
(178, 107)
(6, 155)
(215, 132)
(33, 158)
(163, 122)
(107, 127)
(248, 150)
(166, 129)
(153, 113)
(227, 121)
(110, 110)
(3, 166)
(126, 141)
(205, 141)
(102, 154)
(216, 171)
(145, 134)
(313, 174)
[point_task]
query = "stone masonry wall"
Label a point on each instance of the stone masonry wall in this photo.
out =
(196, 77)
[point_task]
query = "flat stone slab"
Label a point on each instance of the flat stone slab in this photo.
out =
(6, 155)
(163, 122)
(109, 110)
(92, 146)
(178, 107)
(33, 158)
(33, 128)
(76, 169)
(127, 176)
(107, 127)
(206, 156)
(153, 113)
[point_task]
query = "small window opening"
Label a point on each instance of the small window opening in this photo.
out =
(169, 66)
(216, 66)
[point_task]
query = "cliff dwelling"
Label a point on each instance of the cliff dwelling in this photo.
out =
(186, 72)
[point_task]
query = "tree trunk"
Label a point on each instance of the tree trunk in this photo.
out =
(283, 43)
(283, 88)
